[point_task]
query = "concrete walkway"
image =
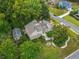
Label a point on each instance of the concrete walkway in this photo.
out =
(45, 36)
(67, 13)
(61, 16)
(66, 43)
(47, 39)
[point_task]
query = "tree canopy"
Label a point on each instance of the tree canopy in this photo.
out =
(8, 49)
(30, 50)
(4, 26)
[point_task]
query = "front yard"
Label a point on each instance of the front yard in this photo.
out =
(75, 5)
(73, 45)
(56, 11)
(72, 20)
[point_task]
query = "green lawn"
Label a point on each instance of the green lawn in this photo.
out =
(56, 11)
(75, 5)
(50, 53)
(73, 45)
(72, 20)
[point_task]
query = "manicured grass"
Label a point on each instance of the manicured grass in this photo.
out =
(50, 53)
(73, 45)
(75, 5)
(56, 11)
(72, 20)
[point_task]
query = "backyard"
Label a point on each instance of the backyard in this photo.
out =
(50, 53)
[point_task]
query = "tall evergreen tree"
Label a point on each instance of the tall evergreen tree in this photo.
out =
(8, 50)
(30, 50)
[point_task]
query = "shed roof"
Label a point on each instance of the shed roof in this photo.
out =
(16, 33)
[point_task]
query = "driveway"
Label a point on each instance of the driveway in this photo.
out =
(66, 23)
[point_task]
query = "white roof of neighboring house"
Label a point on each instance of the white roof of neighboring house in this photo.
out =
(16, 33)
(35, 29)
(53, 1)
(74, 55)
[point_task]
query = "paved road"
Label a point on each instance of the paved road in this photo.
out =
(66, 23)
(74, 55)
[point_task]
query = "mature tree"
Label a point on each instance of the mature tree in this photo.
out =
(20, 12)
(4, 26)
(45, 11)
(8, 50)
(6, 7)
(26, 10)
(30, 50)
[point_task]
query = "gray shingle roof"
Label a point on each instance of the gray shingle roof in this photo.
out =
(34, 29)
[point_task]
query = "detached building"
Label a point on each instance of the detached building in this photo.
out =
(35, 29)
(16, 34)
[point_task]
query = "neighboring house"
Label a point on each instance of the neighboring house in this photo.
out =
(35, 29)
(16, 34)
(74, 55)
(52, 2)
(65, 5)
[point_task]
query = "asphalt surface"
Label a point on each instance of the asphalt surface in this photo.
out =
(74, 55)
(66, 23)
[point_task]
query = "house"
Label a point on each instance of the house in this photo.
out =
(16, 34)
(65, 5)
(52, 2)
(74, 55)
(35, 29)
